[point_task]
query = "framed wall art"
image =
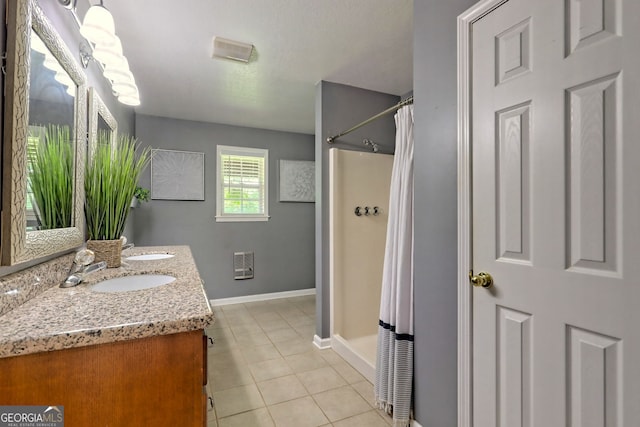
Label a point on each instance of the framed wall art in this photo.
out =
(297, 181)
(177, 175)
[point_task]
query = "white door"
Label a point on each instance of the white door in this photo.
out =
(555, 142)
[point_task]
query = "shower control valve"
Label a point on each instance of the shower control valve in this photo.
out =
(358, 211)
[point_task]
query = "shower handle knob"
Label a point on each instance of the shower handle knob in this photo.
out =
(366, 210)
(358, 211)
(376, 211)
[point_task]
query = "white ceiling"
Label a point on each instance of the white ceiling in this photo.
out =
(363, 43)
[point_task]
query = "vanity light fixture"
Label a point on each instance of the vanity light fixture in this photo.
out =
(52, 63)
(38, 45)
(105, 47)
(98, 26)
(126, 88)
(133, 99)
(109, 54)
(69, 4)
(63, 78)
(118, 71)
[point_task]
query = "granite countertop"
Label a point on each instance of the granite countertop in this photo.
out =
(60, 318)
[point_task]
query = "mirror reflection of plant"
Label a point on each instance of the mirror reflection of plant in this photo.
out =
(51, 177)
(103, 137)
(111, 177)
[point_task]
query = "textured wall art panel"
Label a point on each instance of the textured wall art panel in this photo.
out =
(177, 175)
(297, 181)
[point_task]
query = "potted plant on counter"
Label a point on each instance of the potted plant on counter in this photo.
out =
(110, 181)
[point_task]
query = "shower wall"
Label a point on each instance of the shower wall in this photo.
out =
(357, 242)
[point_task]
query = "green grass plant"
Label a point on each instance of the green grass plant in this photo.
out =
(51, 177)
(111, 177)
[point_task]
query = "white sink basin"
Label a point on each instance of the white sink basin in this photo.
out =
(132, 283)
(149, 257)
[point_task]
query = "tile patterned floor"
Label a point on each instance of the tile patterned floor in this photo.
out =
(265, 371)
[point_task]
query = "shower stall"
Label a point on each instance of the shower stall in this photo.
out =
(359, 194)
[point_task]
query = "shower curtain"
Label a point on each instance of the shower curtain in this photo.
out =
(394, 367)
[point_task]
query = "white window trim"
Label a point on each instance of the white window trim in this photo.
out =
(257, 152)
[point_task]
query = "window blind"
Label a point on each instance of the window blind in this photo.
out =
(243, 184)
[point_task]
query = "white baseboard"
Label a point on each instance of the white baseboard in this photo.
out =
(322, 343)
(341, 347)
(262, 297)
(414, 423)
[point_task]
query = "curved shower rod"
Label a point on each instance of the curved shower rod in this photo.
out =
(400, 104)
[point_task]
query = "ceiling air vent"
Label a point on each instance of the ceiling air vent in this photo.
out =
(230, 49)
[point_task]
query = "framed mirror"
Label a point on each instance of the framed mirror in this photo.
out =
(102, 124)
(46, 114)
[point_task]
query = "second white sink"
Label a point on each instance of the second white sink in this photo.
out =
(149, 257)
(132, 283)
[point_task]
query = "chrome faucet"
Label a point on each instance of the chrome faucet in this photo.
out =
(82, 267)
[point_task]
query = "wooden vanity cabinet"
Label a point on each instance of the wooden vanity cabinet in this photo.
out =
(156, 381)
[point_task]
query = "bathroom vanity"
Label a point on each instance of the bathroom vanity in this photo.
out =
(124, 358)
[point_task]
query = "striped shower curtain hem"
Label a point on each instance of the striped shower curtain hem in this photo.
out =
(394, 359)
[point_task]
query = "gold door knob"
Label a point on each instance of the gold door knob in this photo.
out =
(483, 279)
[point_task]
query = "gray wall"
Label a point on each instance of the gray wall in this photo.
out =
(435, 210)
(339, 107)
(283, 246)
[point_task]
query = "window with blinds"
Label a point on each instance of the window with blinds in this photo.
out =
(242, 184)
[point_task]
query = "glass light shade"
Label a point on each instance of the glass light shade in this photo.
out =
(121, 77)
(63, 78)
(52, 63)
(109, 54)
(132, 100)
(125, 88)
(118, 71)
(98, 26)
(71, 91)
(37, 44)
